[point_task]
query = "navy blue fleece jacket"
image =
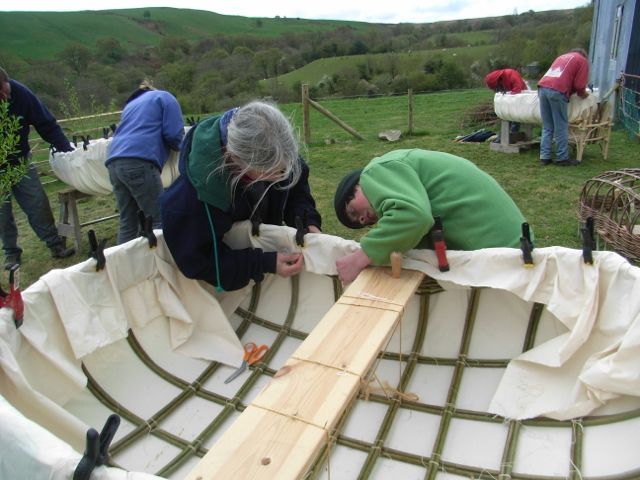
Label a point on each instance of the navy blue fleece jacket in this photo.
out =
(25, 105)
(196, 242)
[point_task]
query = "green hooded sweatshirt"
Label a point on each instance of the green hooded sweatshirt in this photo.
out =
(408, 188)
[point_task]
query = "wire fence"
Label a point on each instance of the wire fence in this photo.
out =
(368, 115)
(629, 104)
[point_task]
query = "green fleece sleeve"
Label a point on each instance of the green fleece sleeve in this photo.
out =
(400, 200)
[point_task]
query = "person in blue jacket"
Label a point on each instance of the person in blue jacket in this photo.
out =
(151, 125)
(28, 192)
(241, 165)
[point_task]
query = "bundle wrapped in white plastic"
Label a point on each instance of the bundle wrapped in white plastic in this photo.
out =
(84, 169)
(524, 107)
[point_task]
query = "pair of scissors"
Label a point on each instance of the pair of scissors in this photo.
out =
(252, 354)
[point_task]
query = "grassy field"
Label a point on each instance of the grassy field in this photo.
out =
(406, 62)
(548, 196)
(50, 32)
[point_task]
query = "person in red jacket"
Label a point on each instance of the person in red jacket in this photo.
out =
(568, 74)
(506, 80)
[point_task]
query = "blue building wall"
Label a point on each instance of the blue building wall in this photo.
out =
(614, 49)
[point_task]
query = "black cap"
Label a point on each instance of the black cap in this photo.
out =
(344, 192)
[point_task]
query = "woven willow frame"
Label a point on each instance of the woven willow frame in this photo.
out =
(612, 199)
(377, 449)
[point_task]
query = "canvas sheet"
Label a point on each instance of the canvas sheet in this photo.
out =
(71, 313)
(84, 169)
(524, 107)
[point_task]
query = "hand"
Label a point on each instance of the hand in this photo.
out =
(314, 229)
(351, 265)
(288, 264)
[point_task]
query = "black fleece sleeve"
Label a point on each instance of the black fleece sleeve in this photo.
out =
(197, 247)
(300, 201)
(46, 125)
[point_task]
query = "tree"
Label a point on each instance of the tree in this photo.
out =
(10, 173)
(109, 50)
(172, 49)
(77, 56)
(178, 77)
(267, 61)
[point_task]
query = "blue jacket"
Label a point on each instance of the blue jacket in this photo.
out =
(193, 229)
(150, 125)
(25, 105)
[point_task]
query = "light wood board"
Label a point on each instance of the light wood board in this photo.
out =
(280, 434)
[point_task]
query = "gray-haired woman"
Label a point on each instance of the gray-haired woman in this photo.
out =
(243, 164)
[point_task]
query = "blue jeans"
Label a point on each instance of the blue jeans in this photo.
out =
(553, 110)
(34, 202)
(137, 185)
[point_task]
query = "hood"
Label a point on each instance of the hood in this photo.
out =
(205, 157)
(492, 79)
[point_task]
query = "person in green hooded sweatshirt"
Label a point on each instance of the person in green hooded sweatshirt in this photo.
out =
(241, 165)
(402, 193)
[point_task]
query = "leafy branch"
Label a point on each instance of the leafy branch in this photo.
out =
(10, 171)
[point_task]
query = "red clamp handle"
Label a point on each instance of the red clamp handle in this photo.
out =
(437, 236)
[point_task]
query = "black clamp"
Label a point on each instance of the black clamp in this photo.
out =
(255, 225)
(97, 450)
(437, 237)
(588, 241)
(85, 141)
(302, 228)
(526, 246)
(146, 227)
(13, 298)
(96, 250)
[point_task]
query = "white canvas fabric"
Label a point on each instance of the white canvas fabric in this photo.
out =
(73, 314)
(570, 375)
(84, 169)
(524, 107)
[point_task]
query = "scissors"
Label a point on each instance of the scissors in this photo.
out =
(252, 354)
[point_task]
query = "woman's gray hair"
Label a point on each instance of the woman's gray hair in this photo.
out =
(260, 138)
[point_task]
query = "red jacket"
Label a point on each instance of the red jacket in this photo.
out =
(569, 73)
(505, 80)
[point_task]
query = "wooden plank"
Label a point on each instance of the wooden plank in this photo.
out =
(280, 434)
(261, 444)
(300, 390)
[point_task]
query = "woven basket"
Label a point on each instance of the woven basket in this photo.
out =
(612, 199)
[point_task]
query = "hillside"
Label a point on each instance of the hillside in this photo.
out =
(211, 62)
(49, 32)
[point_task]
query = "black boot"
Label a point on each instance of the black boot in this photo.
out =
(59, 251)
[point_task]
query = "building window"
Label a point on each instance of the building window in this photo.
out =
(617, 25)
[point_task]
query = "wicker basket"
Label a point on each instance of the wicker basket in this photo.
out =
(612, 199)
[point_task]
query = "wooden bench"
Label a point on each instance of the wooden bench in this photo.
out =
(69, 225)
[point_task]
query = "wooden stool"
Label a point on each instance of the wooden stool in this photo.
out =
(69, 221)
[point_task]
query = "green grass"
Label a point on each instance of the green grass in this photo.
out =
(548, 196)
(50, 32)
(407, 62)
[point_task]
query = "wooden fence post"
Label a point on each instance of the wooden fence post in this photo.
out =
(306, 101)
(306, 126)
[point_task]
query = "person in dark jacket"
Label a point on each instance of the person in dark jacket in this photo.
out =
(28, 192)
(241, 165)
(150, 126)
